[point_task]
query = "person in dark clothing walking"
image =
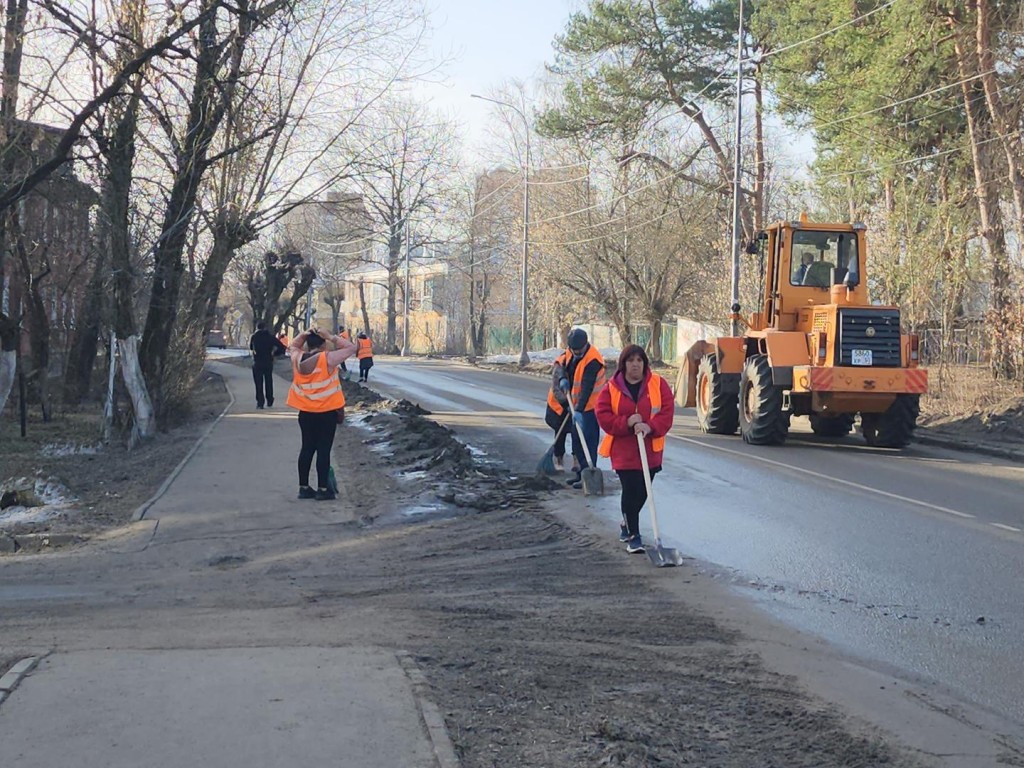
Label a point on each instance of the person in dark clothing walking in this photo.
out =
(636, 401)
(584, 378)
(365, 355)
(264, 347)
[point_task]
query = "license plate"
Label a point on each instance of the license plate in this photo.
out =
(861, 357)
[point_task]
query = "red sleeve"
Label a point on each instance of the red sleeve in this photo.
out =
(661, 422)
(612, 423)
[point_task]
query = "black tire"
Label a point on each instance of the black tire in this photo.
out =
(894, 428)
(762, 420)
(832, 426)
(717, 409)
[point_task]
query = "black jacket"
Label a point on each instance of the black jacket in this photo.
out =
(263, 346)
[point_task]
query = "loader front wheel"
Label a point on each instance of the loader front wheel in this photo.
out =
(762, 420)
(894, 428)
(831, 426)
(717, 408)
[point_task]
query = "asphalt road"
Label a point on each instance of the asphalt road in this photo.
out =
(908, 561)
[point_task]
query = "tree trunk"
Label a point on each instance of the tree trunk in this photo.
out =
(38, 319)
(228, 237)
(394, 262)
(8, 357)
(654, 346)
(993, 237)
(206, 110)
(1008, 132)
(15, 14)
(131, 370)
(85, 345)
(362, 308)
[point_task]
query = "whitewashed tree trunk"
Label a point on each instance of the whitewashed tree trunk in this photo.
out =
(8, 365)
(145, 423)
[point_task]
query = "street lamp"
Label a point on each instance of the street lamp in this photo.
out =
(524, 357)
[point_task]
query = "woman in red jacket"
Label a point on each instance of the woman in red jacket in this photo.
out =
(636, 401)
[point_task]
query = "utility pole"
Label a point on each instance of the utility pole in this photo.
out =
(734, 308)
(405, 332)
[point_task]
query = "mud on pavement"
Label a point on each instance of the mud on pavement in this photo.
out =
(545, 646)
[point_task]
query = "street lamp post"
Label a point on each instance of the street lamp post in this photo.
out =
(524, 356)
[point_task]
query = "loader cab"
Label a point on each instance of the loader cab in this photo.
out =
(801, 263)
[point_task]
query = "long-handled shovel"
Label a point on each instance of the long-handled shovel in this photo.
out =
(660, 556)
(546, 465)
(591, 477)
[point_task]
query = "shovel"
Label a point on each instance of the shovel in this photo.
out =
(660, 556)
(546, 465)
(590, 476)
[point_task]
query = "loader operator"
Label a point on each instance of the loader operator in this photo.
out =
(584, 377)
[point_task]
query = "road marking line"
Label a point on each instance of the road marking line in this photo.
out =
(828, 478)
(1006, 527)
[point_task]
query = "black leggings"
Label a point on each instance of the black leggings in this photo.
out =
(317, 437)
(634, 496)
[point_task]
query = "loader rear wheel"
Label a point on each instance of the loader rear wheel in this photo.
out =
(895, 427)
(762, 420)
(832, 426)
(717, 408)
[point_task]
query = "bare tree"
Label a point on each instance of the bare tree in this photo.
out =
(406, 162)
(289, 118)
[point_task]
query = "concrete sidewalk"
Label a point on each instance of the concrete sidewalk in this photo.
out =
(212, 691)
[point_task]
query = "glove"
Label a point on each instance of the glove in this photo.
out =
(577, 417)
(563, 385)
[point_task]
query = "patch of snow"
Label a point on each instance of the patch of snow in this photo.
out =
(69, 449)
(610, 354)
(56, 500)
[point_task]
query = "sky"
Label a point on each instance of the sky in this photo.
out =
(490, 42)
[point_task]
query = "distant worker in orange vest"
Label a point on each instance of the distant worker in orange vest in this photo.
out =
(365, 355)
(316, 394)
(285, 341)
(343, 371)
(636, 401)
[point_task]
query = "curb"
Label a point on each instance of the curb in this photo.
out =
(956, 445)
(444, 750)
(15, 675)
(141, 511)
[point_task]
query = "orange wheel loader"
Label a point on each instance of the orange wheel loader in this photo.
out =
(816, 346)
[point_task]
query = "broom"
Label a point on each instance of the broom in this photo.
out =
(546, 465)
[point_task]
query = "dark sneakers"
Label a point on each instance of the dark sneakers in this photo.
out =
(305, 492)
(623, 533)
(635, 546)
(575, 481)
(325, 494)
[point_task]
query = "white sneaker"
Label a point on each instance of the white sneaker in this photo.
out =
(560, 463)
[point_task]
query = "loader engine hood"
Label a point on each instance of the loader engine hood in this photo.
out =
(867, 336)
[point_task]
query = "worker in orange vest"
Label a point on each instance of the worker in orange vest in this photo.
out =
(557, 411)
(636, 401)
(317, 395)
(365, 355)
(584, 378)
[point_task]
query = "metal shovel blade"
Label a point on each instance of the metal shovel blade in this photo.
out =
(664, 557)
(593, 481)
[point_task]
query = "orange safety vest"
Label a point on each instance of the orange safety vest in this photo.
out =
(557, 407)
(316, 392)
(345, 335)
(577, 379)
(365, 349)
(654, 393)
